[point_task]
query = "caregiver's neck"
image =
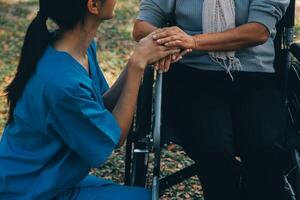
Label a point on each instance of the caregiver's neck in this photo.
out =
(77, 40)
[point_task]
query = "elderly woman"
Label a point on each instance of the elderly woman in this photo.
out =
(63, 117)
(224, 97)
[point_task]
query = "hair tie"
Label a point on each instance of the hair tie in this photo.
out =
(42, 16)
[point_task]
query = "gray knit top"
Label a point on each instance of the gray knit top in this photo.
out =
(187, 15)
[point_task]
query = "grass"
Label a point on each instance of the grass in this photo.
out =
(13, 23)
(115, 45)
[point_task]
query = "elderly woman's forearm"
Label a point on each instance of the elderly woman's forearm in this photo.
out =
(141, 29)
(248, 35)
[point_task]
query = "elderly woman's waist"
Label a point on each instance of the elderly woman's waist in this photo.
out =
(254, 59)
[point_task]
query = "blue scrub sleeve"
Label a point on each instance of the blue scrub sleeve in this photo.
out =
(83, 123)
(267, 12)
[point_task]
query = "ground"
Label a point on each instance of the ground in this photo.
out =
(113, 52)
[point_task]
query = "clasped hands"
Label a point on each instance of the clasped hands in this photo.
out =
(172, 37)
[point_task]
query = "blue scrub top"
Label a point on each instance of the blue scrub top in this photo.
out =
(60, 130)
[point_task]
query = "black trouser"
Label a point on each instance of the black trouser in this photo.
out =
(218, 119)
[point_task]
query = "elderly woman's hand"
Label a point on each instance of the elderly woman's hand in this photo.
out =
(174, 37)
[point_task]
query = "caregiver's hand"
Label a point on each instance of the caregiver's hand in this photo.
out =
(164, 64)
(148, 51)
(174, 37)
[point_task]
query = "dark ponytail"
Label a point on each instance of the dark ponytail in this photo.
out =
(66, 14)
(36, 40)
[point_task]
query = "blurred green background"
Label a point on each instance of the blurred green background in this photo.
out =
(114, 47)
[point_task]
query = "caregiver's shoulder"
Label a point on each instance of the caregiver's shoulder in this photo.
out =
(60, 76)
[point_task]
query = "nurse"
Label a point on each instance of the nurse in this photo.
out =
(63, 118)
